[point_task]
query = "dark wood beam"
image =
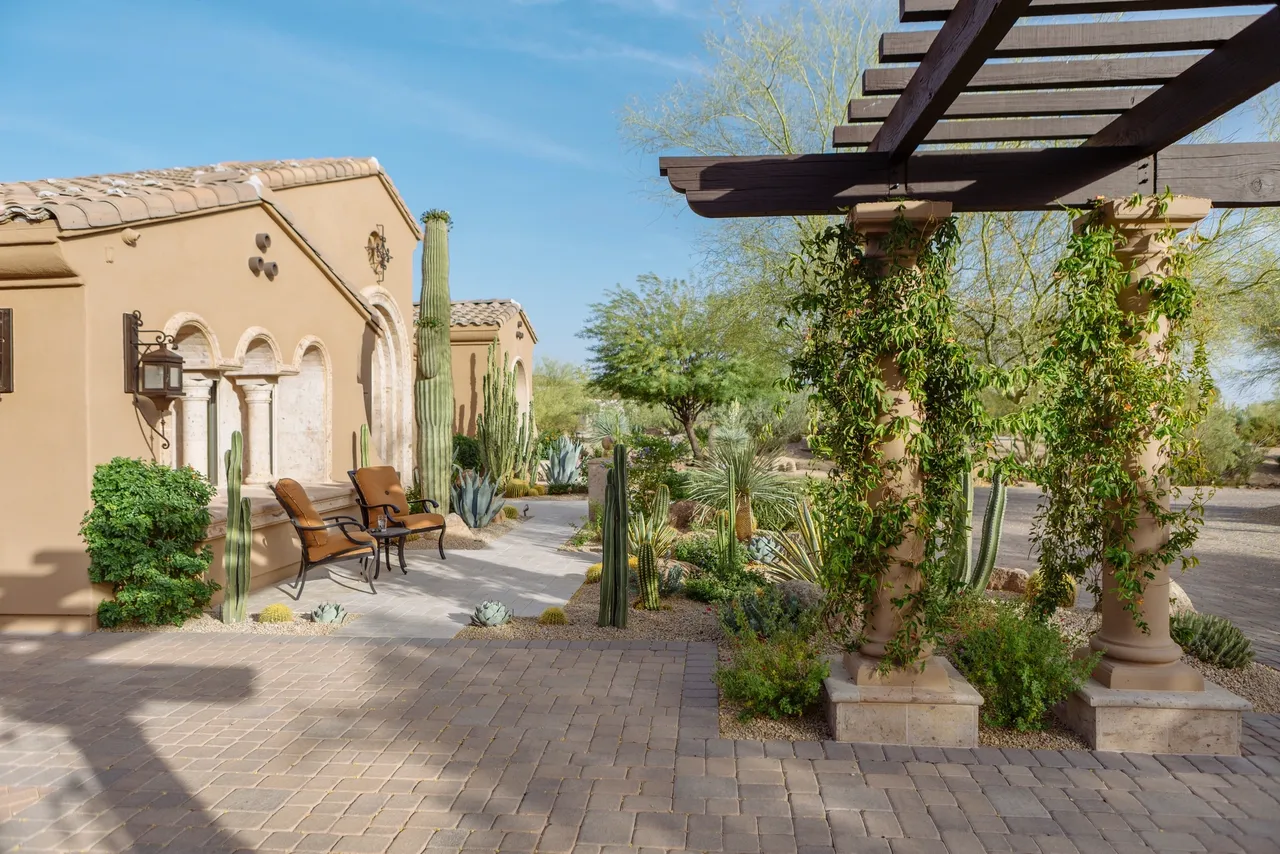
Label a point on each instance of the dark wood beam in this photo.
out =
(985, 130)
(1089, 102)
(1168, 34)
(963, 45)
(913, 11)
(1048, 74)
(1243, 67)
(1232, 175)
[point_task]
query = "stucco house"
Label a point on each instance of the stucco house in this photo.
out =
(286, 287)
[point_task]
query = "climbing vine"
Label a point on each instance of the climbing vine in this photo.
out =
(1122, 372)
(859, 316)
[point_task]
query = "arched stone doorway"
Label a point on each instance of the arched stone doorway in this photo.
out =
(390, 386)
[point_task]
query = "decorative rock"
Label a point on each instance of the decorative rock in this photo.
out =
(1009, 580)
(457, 535)
(1179, 601)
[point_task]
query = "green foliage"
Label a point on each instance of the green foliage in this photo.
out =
(617, 571)
(767, 611)
(1229, 457)
(780, 677)
(433, 379)
(653, 461)
(671, 582)
(651, 537)
(768, 495)
(564, 458)
(609, 424)
(490, 613)
(964, 572)
(801, 557)
(507, 438)
(560, 396)
(328, 612)
(237, 554)
(476, 499)
(1212, 639)
(466, 452)
(143, 536)
(698, 549)
(762, 548)
(848, 306)
(1022, 667)
(594, 572)
(1105, 401)
(1261, 424)
(510, 512)
(516, 488)
(553, 617)
(1066, 597)
(277, 613)
(657, 344)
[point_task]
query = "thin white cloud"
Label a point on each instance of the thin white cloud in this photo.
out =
(588, 47)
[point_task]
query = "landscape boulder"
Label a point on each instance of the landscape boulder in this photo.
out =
(1008, 580)
(1179, 601)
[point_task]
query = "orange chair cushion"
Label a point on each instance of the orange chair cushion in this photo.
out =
(302, 512)
(339, 544)
(381, 485)
(421, 521)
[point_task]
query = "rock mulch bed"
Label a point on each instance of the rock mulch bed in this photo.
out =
(207, 623)
(458, 537)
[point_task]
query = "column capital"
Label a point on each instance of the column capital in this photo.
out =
(256, 389)
(873, 220)
(196, 386)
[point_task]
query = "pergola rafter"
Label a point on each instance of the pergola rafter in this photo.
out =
(1124, 92)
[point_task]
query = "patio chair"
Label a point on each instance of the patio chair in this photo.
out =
(319, 546)
(379, 493)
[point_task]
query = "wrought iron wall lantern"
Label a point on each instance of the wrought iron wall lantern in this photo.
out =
(151, 369)
(379, 254)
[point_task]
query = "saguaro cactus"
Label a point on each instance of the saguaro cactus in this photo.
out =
(238, 546)
(364, 446)
(614, 578)
(433, 386)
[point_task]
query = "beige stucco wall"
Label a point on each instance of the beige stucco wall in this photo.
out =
(470, 354)
(70, 411)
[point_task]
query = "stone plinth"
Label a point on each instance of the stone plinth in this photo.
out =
(935, 712)
(1203, 722)
(597, 476)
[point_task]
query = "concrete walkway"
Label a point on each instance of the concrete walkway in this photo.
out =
(523, 569)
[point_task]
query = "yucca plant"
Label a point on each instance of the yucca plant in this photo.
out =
(762, 493)
(651, 537)
(609, 426)
(802, 558)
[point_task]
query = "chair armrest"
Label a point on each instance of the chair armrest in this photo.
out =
(424, 502)
(344, 522)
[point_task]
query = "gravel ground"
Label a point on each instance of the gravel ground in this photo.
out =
(208, 624)
(478, 538)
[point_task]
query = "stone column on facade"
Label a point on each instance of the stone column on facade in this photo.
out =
(196, 391)
(257, 433)
(902, 472)
(1134, 659)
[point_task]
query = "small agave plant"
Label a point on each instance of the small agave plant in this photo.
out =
(488, 614)
(329, 612)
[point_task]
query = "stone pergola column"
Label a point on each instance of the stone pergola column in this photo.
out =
(257, 397)
(874, 221)
(1137, 660)
(196, 391)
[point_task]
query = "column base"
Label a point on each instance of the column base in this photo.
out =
(1131, 676)
(1200, 722)
(912, 714)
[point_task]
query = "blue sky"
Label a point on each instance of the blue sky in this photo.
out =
(503, 112)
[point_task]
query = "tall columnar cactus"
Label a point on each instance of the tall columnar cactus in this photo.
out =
(433, 385)
(364, 446)
(652, 537)
(508, 440)
(237, 553)
(975, 576)
(614, 578)
(726, 526)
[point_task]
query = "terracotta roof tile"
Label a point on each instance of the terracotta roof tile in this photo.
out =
(109, 200)
(483, 312)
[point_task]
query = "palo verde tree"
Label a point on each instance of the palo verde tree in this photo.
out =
(657, 343)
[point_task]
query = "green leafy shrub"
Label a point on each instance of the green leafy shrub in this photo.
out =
(1212, 639)
(775, 678)
(1261, 424)
(143, 537)
(652, 464)
(704, 588)
(277, 613)
(698, 549)
(1021, 666)
(1227, 455)
(466, 451)
(766, 612)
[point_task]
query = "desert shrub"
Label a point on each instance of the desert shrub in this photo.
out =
(562, 488)
(698, 549)
(652, 464)
(466, 451)
(1020, 665)
(767, 611)
(671, 581)
(1261, 424)
(553, 617)
(704, 588)
(715, 581)
(1066, 596)
(776, 678)
(1214, 640)
(143, 537)
(277, 613)
(809, 594)
(1227, 456)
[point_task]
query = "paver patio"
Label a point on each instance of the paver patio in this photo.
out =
(193, 743)
(523, 569)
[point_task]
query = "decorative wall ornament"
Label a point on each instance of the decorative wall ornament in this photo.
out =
(379, 254)
(6, 350)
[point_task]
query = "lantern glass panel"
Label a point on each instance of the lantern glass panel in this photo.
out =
(175, 378)
(152, 377)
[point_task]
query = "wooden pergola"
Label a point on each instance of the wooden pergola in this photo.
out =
(1127, 90)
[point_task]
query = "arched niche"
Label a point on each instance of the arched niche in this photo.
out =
(304, 416)
(389, 385)
(524, 386)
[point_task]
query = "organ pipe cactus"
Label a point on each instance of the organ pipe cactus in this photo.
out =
(507, 438)
(364, 446)
(476, 499)
(237, 552)
(433, 385)
(563, 460)
(613, 581)
(652, 537)
(964, 571)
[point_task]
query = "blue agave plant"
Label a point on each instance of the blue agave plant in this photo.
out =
(563, 458)
(476, 499)
(489, 613)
